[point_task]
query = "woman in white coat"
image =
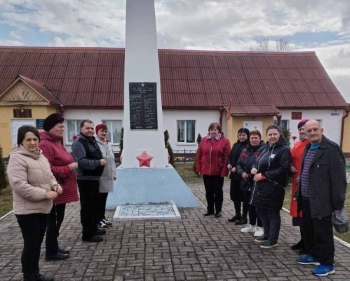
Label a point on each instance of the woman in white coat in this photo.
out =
(34, 188)
(109, 174)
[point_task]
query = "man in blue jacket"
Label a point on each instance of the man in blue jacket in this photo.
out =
(90, 168)
(322, 190)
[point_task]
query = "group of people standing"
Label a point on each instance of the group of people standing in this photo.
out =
(259, 174)
(45, 177)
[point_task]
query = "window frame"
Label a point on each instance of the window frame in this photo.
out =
(280, 126)
(185, 132)
(69, 139)
(111, 130)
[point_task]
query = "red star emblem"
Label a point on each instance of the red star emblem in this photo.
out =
(144, 159)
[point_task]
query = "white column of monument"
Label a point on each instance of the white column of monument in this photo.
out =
(142, 66)
(139, 179)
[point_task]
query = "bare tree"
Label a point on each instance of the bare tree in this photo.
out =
(281, 45)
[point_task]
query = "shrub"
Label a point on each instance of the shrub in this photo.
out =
(3, 177)
(198, 141)
(168, 147)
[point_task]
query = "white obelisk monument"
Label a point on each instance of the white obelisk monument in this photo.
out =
(142, 65)
(145, 175)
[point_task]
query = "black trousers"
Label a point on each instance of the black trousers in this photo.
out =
(271, 220)
(213, 192)
(33, 229)
(56, 217)
(236, 195)
(102, 205)
(89, 197)
(254, 218)
(317, 235)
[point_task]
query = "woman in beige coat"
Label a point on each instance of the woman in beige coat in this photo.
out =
(33, 188)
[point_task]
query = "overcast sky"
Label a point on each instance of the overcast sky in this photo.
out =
(235, 25)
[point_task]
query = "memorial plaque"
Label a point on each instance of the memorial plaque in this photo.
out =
(143, 106)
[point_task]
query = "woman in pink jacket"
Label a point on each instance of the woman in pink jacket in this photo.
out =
(63, 168)
(211, 160)
(33, 188)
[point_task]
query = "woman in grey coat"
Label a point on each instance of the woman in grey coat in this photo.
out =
(109, 174)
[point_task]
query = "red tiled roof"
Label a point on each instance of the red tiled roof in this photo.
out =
(93, 77)
(251, 109)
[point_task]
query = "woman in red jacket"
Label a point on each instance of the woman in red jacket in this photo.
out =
(211, 160)
(295, 166)
(63, 168)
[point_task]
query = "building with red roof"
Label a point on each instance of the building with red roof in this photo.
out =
(250, 89)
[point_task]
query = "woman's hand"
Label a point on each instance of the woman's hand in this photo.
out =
(245, 176)
(57, 188)
(258, 177)
(233, 170)
(73, 166)
(51, 195)
(254, 171)
(293, 170)
(229, 166)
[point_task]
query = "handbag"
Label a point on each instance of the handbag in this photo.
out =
(340, 220)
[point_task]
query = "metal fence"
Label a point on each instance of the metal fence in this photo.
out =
(184, 155)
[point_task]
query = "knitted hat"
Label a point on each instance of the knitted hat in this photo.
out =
(302, 123)
(52, 120)
(99, 127)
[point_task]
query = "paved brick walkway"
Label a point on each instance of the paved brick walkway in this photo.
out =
(194, 248)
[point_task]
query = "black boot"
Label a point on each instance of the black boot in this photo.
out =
(235, 218)
(28, 277)
(58, 257)
(39, 277)
(298, 246)
(241, 221)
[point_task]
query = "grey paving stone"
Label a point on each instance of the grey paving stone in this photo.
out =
(193, 248)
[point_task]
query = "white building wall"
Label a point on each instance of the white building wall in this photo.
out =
(203, 119)
(95, 115)
(331, 121)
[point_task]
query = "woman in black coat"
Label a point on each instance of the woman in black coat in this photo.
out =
(270, 176)
(235, 192)
(244, 166)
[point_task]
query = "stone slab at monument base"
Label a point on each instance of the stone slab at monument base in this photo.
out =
(150, 211)
(150, 185)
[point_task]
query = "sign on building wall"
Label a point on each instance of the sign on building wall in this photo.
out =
(39, 123)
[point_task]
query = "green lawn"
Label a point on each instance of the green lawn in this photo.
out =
(5, 201)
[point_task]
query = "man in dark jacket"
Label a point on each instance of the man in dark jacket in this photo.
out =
(90, 168)
(322, 190)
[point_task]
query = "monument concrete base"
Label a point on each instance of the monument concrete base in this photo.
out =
(150, 185)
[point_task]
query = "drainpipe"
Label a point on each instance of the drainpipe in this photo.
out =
(347, 110)
(61, 109)
(221, 114)
(279, 117)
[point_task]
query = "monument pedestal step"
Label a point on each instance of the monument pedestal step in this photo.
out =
(145, 185)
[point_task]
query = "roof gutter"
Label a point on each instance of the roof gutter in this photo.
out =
(221, 114)
(347, 110)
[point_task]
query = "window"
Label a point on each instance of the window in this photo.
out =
(186, 130)
(284, 124)
(73, 128)
(297, 115)
(22, 113)
(114, 130)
